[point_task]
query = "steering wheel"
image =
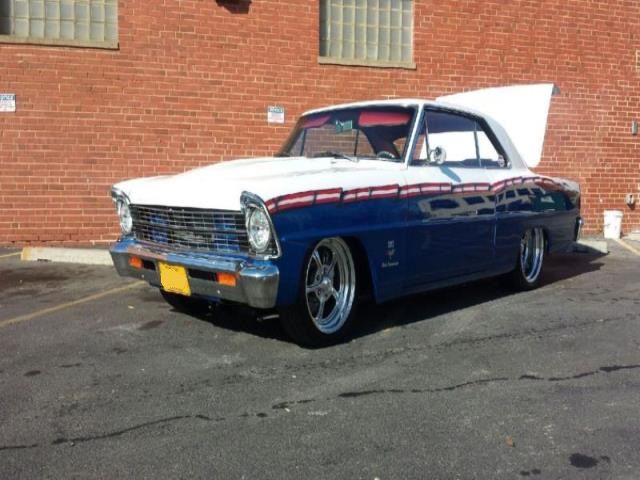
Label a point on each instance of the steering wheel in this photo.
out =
(386, 154)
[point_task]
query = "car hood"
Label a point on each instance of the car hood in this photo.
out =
(220, 185)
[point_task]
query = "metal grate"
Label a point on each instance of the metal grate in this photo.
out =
(190, 229)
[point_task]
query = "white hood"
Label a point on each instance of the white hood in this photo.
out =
(521, 110)
(220, 185)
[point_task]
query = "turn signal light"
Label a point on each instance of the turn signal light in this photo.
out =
(135, 262)
(228, 279)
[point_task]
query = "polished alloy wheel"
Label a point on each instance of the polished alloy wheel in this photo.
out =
(330, 285)
(532, 254)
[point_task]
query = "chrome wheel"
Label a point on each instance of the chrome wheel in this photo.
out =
(532, 254)
(330, 285)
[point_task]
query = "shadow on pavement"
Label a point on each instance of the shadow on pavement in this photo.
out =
(415, 308)
(442, 301)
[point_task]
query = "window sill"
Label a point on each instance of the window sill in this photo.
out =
(365, 63)
(59, 42)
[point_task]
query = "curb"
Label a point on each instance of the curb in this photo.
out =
(591, 246)
(93, 256)
(86, 256)
(632, 248)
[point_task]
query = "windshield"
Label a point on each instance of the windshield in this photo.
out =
(374, 132)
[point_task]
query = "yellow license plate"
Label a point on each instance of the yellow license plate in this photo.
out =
(174, 279)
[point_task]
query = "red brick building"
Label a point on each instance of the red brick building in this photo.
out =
(108, 90)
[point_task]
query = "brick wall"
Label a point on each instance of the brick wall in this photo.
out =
(192, 80)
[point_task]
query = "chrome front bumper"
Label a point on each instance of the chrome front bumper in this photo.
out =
(256, 284)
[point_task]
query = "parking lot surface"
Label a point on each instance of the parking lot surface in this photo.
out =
(99, 378)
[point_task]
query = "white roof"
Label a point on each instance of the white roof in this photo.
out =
(516, 114)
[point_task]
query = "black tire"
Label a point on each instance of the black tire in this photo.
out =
(530, 262)
(328, 284)
(183, 304)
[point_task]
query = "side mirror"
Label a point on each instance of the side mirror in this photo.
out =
(503, 162)
(438, 156)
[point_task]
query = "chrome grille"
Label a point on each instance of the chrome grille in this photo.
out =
(197, 229)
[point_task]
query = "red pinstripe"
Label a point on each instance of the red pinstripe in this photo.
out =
(338, 195)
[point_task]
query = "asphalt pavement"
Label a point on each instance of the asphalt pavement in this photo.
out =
(99, 378)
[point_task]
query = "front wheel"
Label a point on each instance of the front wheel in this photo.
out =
(325, 309)
(528, 270)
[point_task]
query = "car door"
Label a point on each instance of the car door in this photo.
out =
(451, 208)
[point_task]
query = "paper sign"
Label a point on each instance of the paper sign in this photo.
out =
(275, 114)
(7, 102)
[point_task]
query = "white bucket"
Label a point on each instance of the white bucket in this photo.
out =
(612, 224)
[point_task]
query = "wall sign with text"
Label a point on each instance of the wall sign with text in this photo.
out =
(7, 102)
(275, 114)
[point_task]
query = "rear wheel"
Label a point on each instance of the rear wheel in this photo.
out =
(528, 271)
(325, 309)
(183, 304)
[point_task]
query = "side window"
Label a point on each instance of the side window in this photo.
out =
(463, 140)
(489, 156)
(420, 156)
(456, 136)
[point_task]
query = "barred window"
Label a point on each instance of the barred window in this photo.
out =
(92, 23)
(378, 32)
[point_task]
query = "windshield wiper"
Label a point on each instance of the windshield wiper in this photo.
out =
(329, 153)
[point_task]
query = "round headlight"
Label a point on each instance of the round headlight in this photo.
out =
(124, 213)
(259, 230)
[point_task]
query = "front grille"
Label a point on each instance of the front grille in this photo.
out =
(179, 228)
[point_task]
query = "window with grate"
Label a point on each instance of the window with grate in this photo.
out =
(92, 23)
(370, 32)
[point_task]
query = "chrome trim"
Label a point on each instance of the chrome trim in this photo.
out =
(260, 285)
(257, 285)
(578, 229)
(190, 229)
(532, 254)
(251, 200)
(117, 193)
(415, 134)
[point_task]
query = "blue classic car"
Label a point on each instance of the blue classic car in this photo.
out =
(384, 198)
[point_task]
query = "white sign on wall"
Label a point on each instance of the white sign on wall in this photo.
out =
(7, 102)
(275, 114)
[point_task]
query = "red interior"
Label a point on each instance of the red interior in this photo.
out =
(386, 119)
(316, 121)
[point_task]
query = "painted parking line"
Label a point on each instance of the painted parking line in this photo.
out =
(628, 247)
(39, 313)
(7, 255)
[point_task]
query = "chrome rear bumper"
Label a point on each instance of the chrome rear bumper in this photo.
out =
(256, 284)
